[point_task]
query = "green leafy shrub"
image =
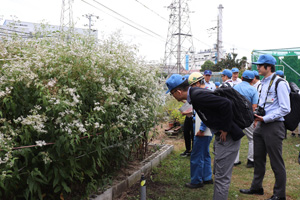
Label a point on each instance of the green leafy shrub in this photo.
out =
(79, 106)
(171, 108)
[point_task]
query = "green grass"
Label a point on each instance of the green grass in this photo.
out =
(168, 179)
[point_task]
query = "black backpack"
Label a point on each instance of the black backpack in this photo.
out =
(292, 119)
(241, 106)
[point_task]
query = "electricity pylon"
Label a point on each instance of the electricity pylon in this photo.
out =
(66, 16)
(179, 48)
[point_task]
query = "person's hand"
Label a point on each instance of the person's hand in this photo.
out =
(200, 133)
(257, 119)
(223, 135)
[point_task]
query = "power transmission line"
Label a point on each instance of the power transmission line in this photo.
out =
(121, 20)
(127, 18)
(152, 11)
(202, 42)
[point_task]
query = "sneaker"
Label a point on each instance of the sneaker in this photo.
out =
(185, 154)
(238, 163)
(250, 164)
(194, 186)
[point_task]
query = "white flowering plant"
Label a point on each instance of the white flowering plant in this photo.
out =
(73, 109)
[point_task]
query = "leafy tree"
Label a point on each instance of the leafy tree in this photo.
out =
(230, 62)
(207, 65)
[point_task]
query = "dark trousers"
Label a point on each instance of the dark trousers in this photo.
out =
(267, 139)
(188, 132)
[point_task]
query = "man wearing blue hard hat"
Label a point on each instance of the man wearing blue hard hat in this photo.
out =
(208, 84)
(256, 81)
(248, 91)
(226, 75)
(270, 130)
(175, 81)
(217, 84)
(216, 113)
(280, 73)
(235, 76)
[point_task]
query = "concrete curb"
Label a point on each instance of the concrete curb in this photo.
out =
(148, 165)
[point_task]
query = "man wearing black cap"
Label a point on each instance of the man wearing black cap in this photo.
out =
(216, 113)
(270, 130)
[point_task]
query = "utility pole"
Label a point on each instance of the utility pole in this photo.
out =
(89, 17)
(179, 45)
(220, 33)
(66, 16)
(233, 49)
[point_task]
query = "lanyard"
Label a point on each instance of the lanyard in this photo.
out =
(271, 82)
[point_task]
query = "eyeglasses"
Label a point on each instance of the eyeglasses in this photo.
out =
(259, 66)
(207, 75)
(172, 93)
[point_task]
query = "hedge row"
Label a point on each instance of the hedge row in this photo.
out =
(81, 105)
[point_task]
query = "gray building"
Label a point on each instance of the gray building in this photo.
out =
(28, 29)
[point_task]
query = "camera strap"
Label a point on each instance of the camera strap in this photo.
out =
(271, 82)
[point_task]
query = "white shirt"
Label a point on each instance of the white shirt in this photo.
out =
(227, 83)
(210, 85)
(257, 85)
(237, 81)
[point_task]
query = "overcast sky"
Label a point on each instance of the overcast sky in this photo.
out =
(247, 24)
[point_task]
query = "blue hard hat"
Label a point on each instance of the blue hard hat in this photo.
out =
(227, 72)
(255, 73)
(174, 81)
(248, 74)
(207, 72)
(234, 70)
(217, 83)
(265, 59)
(279, 72)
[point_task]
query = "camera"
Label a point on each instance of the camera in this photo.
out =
(260, 111)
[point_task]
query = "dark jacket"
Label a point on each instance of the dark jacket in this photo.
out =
(215, 111)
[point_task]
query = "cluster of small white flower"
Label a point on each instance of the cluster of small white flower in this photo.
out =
(54, 101)
(46, 157)
(40, 143)
(6, 92)
(6, 158)
(35, 120)
(51, 83)
(73, 126)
